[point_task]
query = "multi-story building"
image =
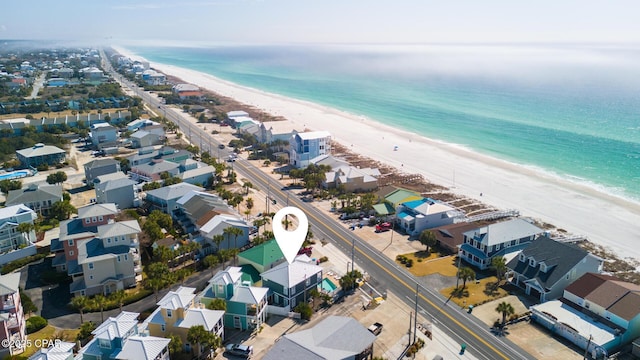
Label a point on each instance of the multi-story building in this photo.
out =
(290, 284)
(41, 154)
(37, 197)
(99, 167)
(305, 146)
(10, 218)
(12, 322)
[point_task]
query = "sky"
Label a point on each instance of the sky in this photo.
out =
(322, 21)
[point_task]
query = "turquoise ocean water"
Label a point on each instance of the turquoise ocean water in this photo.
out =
(573, 111)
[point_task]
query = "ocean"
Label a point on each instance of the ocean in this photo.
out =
(572, 111)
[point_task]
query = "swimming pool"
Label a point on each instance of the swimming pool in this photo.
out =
(328, 285)
(15, 175)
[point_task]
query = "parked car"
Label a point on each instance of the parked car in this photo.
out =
(244, 351)
(385, 226)
(305, 251)
(221, 146)
(375, 329)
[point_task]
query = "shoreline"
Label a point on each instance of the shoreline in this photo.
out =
(606, 219)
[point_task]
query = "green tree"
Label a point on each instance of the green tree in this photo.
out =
(211, 261)
(217, 304)
(57, 178)
(80, 303)
(207, 341)
(118, 297)
(505, 309)
(151, 186)
(428, 239)
(153, 230)
(25, 228)
(158, 276)
(218, 239)
(100, 301)
(304, 310)
(465, 274)
(85, 331)
(175, 345)
(499, 264)
(235, 232)
(8, 185)
(162, 219)
(247, 185)
(62, 210)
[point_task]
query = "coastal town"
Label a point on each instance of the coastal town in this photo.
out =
(137, 223)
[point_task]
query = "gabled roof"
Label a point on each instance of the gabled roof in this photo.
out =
(197, 172)
(94, 250)
(427, 206)
(336, 337)
(32, 194)
(559, 258)
(116, 327)
(119, 228)
(61, 351)
(205, 317)
(97, 210)
(249, 294)
(504, 231)
(263, 254)
(288, 275)
(97, 163)
(109, 177)
(230, 275)
(40, 150)
(11, 211)
(9, 283)
(142, 348)
(115, 184)
(223, 221)
(616, 296)
(179, 299)
(174, 191)
(156, 167)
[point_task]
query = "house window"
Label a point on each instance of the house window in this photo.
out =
(70, 242)
(162, 327)
(513, 243)
(118, 258)
(94, 219)
(532, 262)
(71, 253)
(307, 282)
(126, 257)
(87, 220)
(521, 257)
(90, 277)
(108, 240)
(90, 266)
(169, 314)
(100, 218)
(586, 304)
(104, 343)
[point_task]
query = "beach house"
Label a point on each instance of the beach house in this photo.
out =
(97, 167)
(598, 313)
(304, 146)
(120, 338)
(103, 135)
(12, 321)
(37, 197)
(10, 218)
(290, 284)
(185, 91)
(335, 337)
(40, 154)
(546, 267)
(178, 311)
(246, 304)
(416, 216)
(120, 191)
(504, 239)
(352, 179)
(165, 198)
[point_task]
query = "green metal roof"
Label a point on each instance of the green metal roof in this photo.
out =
(263, 254)
(399, 196)
(384, 208)
(249, 273)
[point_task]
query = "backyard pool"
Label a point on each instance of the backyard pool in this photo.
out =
(15, 175)
(328, 285)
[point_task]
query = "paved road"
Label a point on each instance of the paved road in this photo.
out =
(384, 273)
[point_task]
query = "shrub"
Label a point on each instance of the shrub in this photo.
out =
(85, 330)
(9, 267)
(304, 310)
(420, 260)
(42, 167)
(35, 323)
(409, 263)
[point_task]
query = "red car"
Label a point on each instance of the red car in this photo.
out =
(305, 251)
(385, 226)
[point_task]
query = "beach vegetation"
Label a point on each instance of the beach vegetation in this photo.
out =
(428, 239)
(465, 274)
(505, 309)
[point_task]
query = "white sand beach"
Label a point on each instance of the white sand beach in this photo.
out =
(605, 219)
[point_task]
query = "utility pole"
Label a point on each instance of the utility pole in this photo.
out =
(353, 248)
(458, 270)
(586, 350)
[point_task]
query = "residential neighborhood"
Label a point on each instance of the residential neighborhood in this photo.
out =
(163, 223)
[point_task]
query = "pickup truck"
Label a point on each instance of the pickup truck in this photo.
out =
(385, 226)
(375, 329)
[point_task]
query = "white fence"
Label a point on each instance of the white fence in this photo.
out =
(282, 311)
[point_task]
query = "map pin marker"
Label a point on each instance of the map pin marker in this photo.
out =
(290, 241)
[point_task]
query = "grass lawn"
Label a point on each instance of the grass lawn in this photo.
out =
(475, 293)
(431, 264)
(48, 333)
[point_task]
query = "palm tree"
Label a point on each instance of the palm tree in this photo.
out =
(211, 261)
(175, 345)
(100, 301)
(466, 274)
(499, 264)
(428, 239)
(118, 297)
(247, 185)
(218, 239)
(199, 335)
(80, 302)
(25, 228)
(505, 309)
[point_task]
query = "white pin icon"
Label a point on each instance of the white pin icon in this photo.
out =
(290, 241)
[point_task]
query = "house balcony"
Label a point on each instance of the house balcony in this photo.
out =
(8, 304)
(12, 322)
(137, 269)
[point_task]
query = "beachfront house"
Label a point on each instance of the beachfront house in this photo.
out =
(546, 267)
(597, 311)
(40, 154)
(503, 239)
(305, 146)
(12, 320)
(271, 131)
(352, 179)
(262, 257)
(37, 197)
(290, 284)
(178, 311)
(246, 305)
(335, 337)
(418, 215)
(186, 91)
(119, 338)
(98, 167)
